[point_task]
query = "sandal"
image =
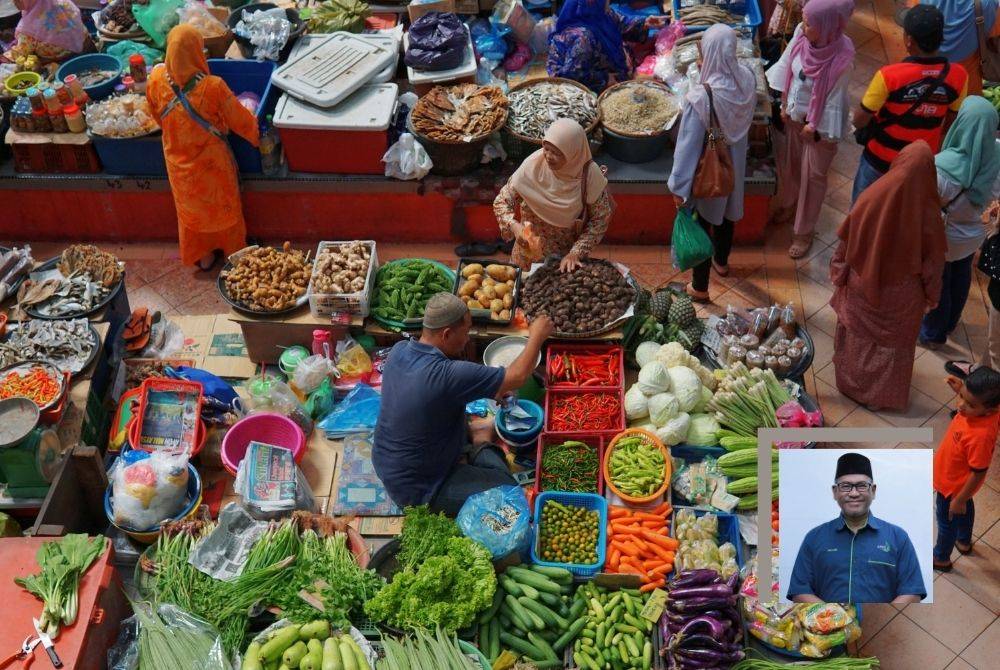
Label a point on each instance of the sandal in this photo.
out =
(800, 246)
(963, 548)
(942, 566)
(960, 369)
(696, 295)
(721, 270)
(216, 256)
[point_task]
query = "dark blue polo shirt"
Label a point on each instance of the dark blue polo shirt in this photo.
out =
(421, 429)
(876, 565)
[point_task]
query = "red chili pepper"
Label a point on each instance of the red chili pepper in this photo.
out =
(585, 411)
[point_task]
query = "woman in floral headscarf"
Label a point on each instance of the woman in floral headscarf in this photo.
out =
(53, 30)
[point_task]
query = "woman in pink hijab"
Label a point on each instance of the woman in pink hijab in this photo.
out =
(53, 30)
(812, 76)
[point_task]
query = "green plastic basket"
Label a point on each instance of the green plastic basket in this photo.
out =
(414, 323)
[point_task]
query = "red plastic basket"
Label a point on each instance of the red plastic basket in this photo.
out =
(561, 348)
(552, 396)
(168, 386)
(267, 428)
(595, 440)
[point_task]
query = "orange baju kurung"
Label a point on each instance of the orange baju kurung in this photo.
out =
(201, 167)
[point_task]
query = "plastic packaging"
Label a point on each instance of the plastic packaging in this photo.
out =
(352, 359)
(437, 41)
(311, 372)
(356, 413)
(689, 244)
(407, 159)
(499, 519)
(169, 621)
(321, 401)
(271, 484)
(489, 39)
(274, 395)
(267, 31)
(157, 17)
(74, 119)
(197, 15)
(148, 488)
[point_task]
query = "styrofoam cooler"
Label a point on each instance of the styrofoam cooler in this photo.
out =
(423, 81)
(309, 42)
(349, 138)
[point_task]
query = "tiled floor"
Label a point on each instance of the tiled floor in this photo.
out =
(961, 629)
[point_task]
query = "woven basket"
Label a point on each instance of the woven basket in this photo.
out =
(519, 146)
(631, 84)
(452, 158)
(650, 439)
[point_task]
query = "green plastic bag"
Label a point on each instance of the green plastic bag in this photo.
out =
(689, 244)
(122, 50)
(321, 401)
(157, 18)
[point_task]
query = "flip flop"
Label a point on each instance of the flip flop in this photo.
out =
(476, 249)
(696, 295)
(134, 327)
(801, 244)
(139, 337)
(960, 369)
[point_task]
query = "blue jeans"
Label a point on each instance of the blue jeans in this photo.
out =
(958, 527)
(865, 177)
(942, 320)
(486, 469)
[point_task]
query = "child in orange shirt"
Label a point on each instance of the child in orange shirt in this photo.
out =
(962, 459)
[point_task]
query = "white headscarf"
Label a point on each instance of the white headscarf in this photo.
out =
(734, 87)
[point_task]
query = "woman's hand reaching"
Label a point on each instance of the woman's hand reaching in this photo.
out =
(570, 262)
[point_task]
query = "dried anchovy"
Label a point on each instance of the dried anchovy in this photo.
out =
(534, 108)
(65, 344)
(73, 295)
(638, 108)
(707, 15)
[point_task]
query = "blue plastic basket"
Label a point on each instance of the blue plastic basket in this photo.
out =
(90, 61)
(253, 76)
(729, 529)
(131, 155)
(750, 9)
(589, 501)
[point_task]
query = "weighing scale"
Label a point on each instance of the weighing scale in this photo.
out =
(29, 453)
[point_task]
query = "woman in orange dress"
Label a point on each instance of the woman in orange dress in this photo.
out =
(200, 164)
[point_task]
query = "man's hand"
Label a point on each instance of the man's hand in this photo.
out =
(541, 327)
(957, 507)
(569, 262)
(481, 430)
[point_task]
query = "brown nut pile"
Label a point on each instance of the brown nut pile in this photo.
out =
(489, 288)
(266, 279)
(102, 266)
(341, 268)
(460, 113)
(583, 301)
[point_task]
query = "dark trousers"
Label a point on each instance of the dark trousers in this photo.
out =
(943, 319)
(486, 469)
(958, 527)
(722, 242)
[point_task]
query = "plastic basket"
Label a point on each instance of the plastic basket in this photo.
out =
(325, 304)
(751, 12)
(131, 155)
(552, 396)
(667, 466)
(588, 501)
(192, 502)
(729, 529)
(559, 349)
(267, 428)
(482, 315)
(248, 76)
(594, 440)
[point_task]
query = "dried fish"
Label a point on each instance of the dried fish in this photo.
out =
(460, 113)
(639, 108)
(14, 265)
(68, 345)
(534, 108)
(68, 296)
(100, 265)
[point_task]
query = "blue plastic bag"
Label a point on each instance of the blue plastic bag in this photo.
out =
(489, 40)
(356, 413)
(499, 519)
(211, 385)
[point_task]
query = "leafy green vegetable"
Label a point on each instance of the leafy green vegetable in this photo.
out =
(424, 535)
(446, 591)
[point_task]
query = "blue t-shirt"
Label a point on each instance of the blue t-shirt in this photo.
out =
(876, 565)
(421, 431)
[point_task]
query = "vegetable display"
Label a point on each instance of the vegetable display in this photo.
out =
(614, 634)
(637, 466)
(842, 663)
(264, 279)
(662, 317)
(584, 412)
(403, 287)
(309, 646)
(170, 639)
(639, 543)
(341, 268)
(63, 563)
(570, 466)
(490, 288)
(587, 300)
(568, 534)
(423, 651)
(699, 546)
(569, 369)
(747, 399)
(701, 627)
(37, 385)
(532, 615)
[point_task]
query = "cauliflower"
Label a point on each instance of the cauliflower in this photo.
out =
(673, 355)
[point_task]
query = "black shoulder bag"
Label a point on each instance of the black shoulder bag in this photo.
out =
(863, 135)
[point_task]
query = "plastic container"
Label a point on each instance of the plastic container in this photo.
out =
(551, 395)
(483, 315)
(255, 77)
(14, 83)
(350, 138)
(265, 427)
(298, 28)
(748, 8)
(424, 81)
(520, 438)
(558, 349)
(179, 387)
(587, 501)
(655, 441)
(201, 435)
(386, 41)
(593, 440)
(148, 536)
(131, 155)
(89, 62)
(729, 529)
(323, 305)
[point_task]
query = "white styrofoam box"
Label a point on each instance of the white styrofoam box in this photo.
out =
(333, 69)
(371, 107)
(466, 69)
(386, 40)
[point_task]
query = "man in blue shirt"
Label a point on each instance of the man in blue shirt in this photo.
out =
(857, 557)
(423, 450)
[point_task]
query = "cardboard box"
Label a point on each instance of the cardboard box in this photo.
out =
(215, 344)
(265, 339)
(416, 11)
(467, 6)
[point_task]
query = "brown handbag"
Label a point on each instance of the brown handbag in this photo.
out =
(714, 177)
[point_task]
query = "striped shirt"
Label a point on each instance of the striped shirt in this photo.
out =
(893, 91)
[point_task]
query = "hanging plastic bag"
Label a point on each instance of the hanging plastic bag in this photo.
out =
(126, 48)
(157, 18)
(167, 622)
(267, 30)
(518, 58)
(356, 413)
(689, 244)
(197, 15)
(148, 488)
(274, 395)
(437, 41)
(499, 519)
(407, 159)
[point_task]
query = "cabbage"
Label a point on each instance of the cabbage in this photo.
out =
(675, 430)
(684, 384)
(706, 397)
(646, 352)
(653, 378)
(636, 403)
(662, 408)
(704, 430)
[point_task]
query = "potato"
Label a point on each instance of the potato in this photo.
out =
(496, 305)
(480, 295)
(489, 281)
(502, 289)
(478, 278)
(490, 292)
(468, 289)
(472, 269)
(504, 315)
(499, 272)
(508, 301)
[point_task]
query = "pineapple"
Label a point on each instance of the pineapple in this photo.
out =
(642, 302)
(682, 311)
(690, 336)
(661, 305)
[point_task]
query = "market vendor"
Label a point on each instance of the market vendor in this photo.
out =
(857, 557)
(197, 111)
(52, 30)
(588, 43)
(424, 451)
(557, 202)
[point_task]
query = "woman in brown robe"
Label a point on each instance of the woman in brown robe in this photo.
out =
(887, 272)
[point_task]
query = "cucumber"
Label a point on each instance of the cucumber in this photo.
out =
(550, 599)
(520, 646)
(534, 579)
(547, 664)
(515, 619)
(493, 637)
(556, 574)
(491, 611)
(531, 592)
(543, 646)
(347, 655)
(551, 619)
(510, 586)
(570, 634)
(331, 655)
(251, 658)
(519, 611)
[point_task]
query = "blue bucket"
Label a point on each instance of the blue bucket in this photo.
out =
(525, 437)
(91, 62)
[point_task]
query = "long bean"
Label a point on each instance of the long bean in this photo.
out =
(840, 663)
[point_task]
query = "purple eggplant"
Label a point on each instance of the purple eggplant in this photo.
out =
(705, 591)
(709, 657)
(733, 581)
(705, 625)
(681, 641)
(701, 604)
(693, 578)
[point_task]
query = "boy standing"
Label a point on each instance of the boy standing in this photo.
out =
(962, 459)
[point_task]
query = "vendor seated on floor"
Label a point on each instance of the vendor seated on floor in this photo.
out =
(588, 43)
(424, 450)
(51, 30)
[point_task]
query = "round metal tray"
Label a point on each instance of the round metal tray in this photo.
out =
(25, 366)
(53, 262)
(415, 323)
(243, 308)
(90, 359)
(710, 359)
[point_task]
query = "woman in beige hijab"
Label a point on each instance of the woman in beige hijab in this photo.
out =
(557, 202)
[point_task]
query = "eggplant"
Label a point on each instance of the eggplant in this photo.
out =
(701, 604)
(681, 641)
(733, 581)
(705, 625)
(693, 578)
(710, 657)
(705, 591)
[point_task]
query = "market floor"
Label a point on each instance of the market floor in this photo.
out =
(961, 630)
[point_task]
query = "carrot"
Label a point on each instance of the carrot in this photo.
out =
(629, 550)
(661, 552)
(617, 512)
(614, 557)
(630, 565)
(668, 543)
(662, 509)
(651, 563)
(639, 543)
(651, 586)
(628, 530)
(653, 525)
(663, 569)
(646, 516)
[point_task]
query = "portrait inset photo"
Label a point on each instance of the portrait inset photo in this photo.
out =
(856, 525)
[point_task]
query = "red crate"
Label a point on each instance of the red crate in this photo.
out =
(560, 348)
(595, 440)
(551, 395)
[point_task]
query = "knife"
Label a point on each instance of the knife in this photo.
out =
(47, 643)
